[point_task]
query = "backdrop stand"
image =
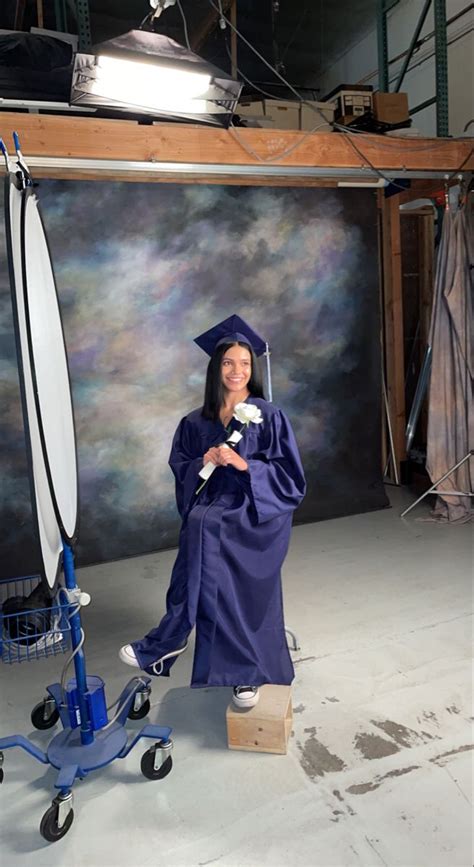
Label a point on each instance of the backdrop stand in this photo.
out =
(391, 456)
(433, 489)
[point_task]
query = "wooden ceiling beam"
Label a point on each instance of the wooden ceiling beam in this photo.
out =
(206, 26)
(92, 138)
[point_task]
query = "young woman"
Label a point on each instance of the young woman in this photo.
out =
(235, 533)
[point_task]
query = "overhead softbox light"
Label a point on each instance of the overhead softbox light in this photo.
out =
(148, 73)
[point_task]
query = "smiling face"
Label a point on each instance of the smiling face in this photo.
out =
(236, 368)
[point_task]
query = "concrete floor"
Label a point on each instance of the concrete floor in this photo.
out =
(379, 767)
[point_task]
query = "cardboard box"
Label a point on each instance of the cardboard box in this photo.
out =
(251, 108)
(287, 114)
(391, 107)
(284, 113)
(352, 100)
(310, 118)
(253, 112)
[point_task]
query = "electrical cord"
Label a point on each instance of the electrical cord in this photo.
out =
(146, 20)
(125, 701)
(70, 614)
(340, 127)
(380, 174)
(325, 122)
(221, 13)
(275, 158)
(456, 171)
(295, 32)
(68, 663)
(185, 25)
(66, 667)
(262, 58)
(247, 80)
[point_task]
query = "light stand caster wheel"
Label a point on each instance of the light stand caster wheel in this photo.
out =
(141, 705)
(45, 714)
(58, 819)
(152, 766)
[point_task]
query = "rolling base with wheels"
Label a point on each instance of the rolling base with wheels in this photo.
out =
(74, 759)
(45, 619)
(89, 740)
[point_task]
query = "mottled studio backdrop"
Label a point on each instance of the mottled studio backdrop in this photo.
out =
(143, 268)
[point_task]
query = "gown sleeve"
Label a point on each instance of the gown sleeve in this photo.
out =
(275, 479)
(185, 461)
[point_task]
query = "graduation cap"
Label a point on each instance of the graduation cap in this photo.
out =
(231, 330)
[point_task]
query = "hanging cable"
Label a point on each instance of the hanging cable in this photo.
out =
(295, 32)
(247, 80)
(222, 23)
(339, 127)
(66, 667)
(145, 20)
(371, 165)
(276, 157)
(313, 107)
(185, 24)
(256, 52)
(453, 175)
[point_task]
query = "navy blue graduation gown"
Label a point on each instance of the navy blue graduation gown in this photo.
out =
(226, 580)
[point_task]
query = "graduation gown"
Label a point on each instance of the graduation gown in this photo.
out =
(226, 580)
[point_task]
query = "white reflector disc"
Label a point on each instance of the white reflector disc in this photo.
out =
(49, 368)
(41, 500)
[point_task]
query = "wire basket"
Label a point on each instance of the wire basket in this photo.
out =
(27, 632)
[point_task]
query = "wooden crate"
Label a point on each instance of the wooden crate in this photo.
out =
(265, 728)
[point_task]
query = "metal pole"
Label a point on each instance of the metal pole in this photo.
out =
(441, 61)
(422, 105)
(382, 46)
(438, 482)
(418, 399)
(413, 44)
(60, 16)
(87, 734)
(83, 24)
(390, 433)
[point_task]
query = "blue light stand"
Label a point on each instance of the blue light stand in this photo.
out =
(88, 740)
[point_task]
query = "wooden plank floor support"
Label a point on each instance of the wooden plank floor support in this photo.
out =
(265, 728)
(393, 322)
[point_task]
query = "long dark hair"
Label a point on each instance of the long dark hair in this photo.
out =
(214, 390)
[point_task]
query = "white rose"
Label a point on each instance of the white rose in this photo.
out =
(247, 413)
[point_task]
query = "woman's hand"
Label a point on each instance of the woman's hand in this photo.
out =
(223, 456)
(212, 456)
(229, 458)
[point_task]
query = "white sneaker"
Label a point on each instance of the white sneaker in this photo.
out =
(245, 696)
(127, 655)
